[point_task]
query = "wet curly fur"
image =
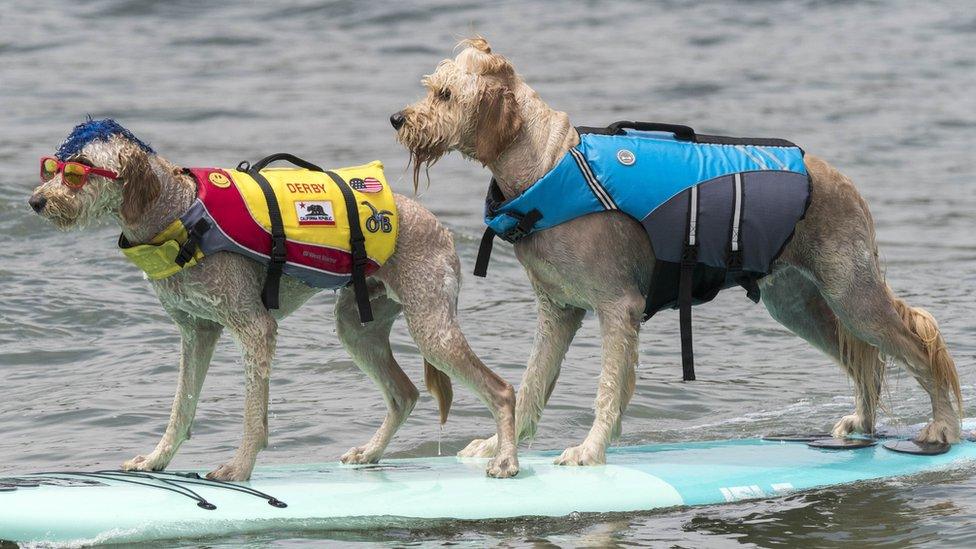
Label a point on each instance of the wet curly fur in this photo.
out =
(827, 286)
(421, 280)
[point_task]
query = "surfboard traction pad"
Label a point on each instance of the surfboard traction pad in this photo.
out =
(825, 441)
(916, 448)
(842, 443)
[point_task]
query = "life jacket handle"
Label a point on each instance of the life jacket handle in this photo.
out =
(682, 133)
(263, 163)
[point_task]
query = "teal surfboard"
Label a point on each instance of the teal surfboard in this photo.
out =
(112, 507)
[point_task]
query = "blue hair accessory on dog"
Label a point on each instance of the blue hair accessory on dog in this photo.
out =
(95, 130)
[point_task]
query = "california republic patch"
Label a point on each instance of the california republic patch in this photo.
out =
(315, 212)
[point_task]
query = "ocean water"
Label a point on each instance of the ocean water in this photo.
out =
(883, 90)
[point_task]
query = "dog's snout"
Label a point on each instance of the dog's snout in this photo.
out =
(397, 119)
(37, 202)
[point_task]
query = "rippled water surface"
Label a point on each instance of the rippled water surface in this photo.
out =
(884, 90)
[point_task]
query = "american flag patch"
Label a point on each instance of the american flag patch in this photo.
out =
(366, 184)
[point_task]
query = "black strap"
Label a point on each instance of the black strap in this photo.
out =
(276, 263)
(681, 132)
(484, 253)
(521, 229)
(689, 258)
(261, 164)
(357, 244)
(189, 248)
(685, 133)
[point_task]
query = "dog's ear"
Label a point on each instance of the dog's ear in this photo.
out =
(140, 186)
(477, 58)
(499, 123)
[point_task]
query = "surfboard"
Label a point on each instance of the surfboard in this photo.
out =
(115, 507)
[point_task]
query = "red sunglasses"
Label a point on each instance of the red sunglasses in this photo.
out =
(74, 174)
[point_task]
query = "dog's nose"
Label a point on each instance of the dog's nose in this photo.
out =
(397, 119)
(37, 202)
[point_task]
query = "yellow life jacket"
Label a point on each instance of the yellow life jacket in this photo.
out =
(231, 213)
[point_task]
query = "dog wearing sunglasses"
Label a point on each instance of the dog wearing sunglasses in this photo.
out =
(827, 285)
(103, 172)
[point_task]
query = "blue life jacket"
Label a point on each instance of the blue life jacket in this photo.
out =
(718, 210)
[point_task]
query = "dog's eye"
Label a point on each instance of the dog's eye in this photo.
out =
(444, 94)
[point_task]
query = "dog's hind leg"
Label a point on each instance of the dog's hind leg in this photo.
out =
(872, 313)
(835, 246)
(794, 300)
(199, 338)
(425, 277)
(256, 332)
(556, 327)
(619, 327)
(369, 347)
(431, 315)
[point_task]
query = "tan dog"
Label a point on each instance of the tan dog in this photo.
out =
(421, 279)
(827, 285)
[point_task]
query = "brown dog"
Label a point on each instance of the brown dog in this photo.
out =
(421, 279)
(827, 285)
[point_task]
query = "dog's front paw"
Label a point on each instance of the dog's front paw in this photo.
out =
(152, 462)
(582, 455)
(480, 448)
(851, 424)
(231, 471)
(361, 454)
(504, 466)
(939, 432)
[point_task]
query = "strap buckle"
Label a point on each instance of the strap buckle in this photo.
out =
(515, 234)
(359, 257)
(279, 252)
(189, 248)
(524, 225)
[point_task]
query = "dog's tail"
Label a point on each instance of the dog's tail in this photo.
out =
(439, 384)
(923, 325)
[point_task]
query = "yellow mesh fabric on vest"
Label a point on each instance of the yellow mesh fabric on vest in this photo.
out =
(158, 258)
